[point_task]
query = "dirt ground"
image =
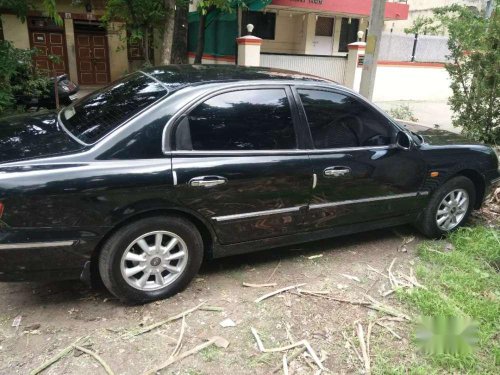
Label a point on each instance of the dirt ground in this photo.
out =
(54, 315)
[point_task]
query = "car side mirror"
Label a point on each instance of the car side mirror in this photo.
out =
(403, 141)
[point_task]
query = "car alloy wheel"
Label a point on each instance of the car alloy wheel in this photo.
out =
(452, 209)
(154, 260)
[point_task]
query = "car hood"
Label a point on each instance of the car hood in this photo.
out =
(30, 136)
(438, 137)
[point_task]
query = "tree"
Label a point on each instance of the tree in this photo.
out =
(208, 10)
(139, 18)
(474, 69)
(424, 25)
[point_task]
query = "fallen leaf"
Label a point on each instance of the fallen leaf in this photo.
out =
(227, 323)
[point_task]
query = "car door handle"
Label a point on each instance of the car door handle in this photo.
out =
(336, 171)
(207, 181)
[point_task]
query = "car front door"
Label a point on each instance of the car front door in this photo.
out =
(238, 165)
(360, 175)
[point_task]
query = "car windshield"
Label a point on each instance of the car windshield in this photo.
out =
(96, 115)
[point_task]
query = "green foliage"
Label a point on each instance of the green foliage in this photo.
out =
(474, 44)
(18, 76)
(424, 25)
(21, 8)
(463, 282)
(139, 18)
(402, 112)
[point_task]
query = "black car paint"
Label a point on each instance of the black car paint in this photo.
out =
(56, 189)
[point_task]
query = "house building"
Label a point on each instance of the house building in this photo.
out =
(87, 52)
(309, 27)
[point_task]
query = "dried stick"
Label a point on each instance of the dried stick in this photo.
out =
(377, 271)
(376, 305)
(181, 335)
(250, 285)
(274, 271)
(265, 296)
(57, 357)
(211, 308)
(305, 343)
(389, 329)
(97, 358)
(352, 302)
(368, 335)
(285, 365)
(168, 320)
(294, 355)
(362, 345)
(177, 358)
(352, 346)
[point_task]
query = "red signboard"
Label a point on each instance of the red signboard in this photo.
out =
(393, 11)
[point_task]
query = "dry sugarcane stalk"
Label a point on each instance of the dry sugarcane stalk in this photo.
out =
(97, 358)
(313, 291)
(352, 346)
(58, 356)
(368, 336)
(294, 355)
(389, 329)
(392, 279)
(250, 285)
(177, 358)
(352, 302)
(278, 291)
(376, 305)
(274, 271)
(211, 308)
(168, 320)
(285, 365)
(181, 335)
(377, 271)
(305, 343)
(362, 345)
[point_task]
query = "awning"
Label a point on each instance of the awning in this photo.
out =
(393, 11)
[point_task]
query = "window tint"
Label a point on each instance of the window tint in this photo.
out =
(241, 120)
(98, 114)
(338, 120)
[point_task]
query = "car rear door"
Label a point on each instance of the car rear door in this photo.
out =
(237, 163)
(360, 174)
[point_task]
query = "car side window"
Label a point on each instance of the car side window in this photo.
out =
(254, 119)
(341, 121)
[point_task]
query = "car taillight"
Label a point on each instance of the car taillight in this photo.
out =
(1, 209)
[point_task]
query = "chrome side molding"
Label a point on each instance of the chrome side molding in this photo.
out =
(33, 245)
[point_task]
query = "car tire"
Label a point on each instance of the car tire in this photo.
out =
(136, 270)
(443, 213)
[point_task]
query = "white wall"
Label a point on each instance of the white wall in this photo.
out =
(403, 82)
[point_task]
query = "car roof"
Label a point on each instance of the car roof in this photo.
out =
(178, 76)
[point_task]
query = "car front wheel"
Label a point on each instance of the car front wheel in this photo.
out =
(448, 208)
(150, 259)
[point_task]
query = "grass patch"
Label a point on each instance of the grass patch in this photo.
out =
(210, 353)
(462, 282)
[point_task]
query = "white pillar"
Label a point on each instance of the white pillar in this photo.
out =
(249, 50)
(356, 50)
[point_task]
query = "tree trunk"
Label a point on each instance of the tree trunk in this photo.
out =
(145, 40)
(179, 46)
(200, 47)
(168, 32)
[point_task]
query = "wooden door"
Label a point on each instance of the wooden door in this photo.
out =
(92, 59)
(48, 42)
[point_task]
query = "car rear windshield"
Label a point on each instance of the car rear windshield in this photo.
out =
(96, 115)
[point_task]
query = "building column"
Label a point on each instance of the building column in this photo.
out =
(117, 50)
(69, 32)
(336, 34)
(249, 50)
(356, 50)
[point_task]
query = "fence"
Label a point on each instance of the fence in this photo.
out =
(329, 67)
(400, 47)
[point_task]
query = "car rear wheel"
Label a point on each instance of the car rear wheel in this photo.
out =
(150, 259)
(448, 208)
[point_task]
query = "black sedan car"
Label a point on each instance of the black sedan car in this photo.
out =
(145, 178)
